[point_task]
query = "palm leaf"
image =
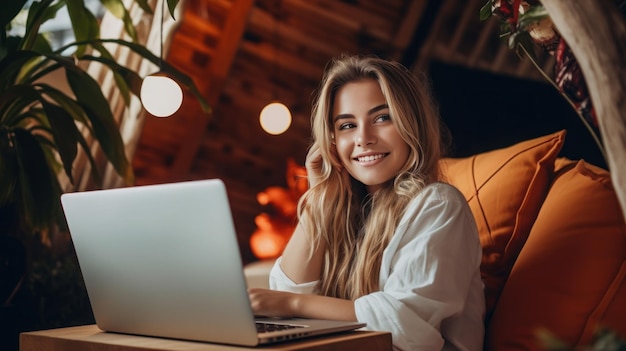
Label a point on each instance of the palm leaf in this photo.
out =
(65, 135)
(117, 9)
(179, 76)
(84, 23)
(40, 125)
(11, 65)
(90, 98)
(67, 103)
(10, 9)
(78, 114)
(14, 101)
(38, 187)
(38, 13)
(171, 5)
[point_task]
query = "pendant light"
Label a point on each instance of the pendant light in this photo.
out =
(160, 95)
(275, 117)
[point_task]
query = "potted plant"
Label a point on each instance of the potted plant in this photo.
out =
(43, 128)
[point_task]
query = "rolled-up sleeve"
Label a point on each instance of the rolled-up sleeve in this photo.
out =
(280, 281)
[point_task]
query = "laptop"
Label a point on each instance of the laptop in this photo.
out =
(163, 260)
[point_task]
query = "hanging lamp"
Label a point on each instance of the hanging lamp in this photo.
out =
(275, 117)
(160, 95)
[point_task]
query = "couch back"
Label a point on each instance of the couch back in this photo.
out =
(554, 244)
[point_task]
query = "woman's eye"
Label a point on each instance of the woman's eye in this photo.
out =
(345, 126)
(383, 118)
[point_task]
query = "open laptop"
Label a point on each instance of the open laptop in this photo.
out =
(163, 260)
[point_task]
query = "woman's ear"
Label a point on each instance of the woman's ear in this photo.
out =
(332, 138)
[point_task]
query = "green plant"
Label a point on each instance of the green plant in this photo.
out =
(43, 127)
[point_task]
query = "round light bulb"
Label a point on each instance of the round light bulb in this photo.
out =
(161, 95)
(275, 118)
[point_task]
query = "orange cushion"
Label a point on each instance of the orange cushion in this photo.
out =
(505, 189)
(570, 277)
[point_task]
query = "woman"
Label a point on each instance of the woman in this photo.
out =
(380, 238)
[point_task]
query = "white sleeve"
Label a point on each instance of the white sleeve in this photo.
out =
(426, 273)
(280, 281)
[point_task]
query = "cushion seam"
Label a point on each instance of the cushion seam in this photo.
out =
(510, 160)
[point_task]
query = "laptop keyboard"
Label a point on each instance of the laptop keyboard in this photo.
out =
(264, 327)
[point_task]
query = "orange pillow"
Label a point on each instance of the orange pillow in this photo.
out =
(570, 277)
(504, 189)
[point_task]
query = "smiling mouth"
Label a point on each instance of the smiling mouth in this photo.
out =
(370, 158)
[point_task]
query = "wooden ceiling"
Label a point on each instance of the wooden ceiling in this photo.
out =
(243, 54)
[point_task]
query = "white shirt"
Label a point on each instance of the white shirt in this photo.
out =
(431, 294)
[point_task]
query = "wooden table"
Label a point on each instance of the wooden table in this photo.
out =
(89, 337)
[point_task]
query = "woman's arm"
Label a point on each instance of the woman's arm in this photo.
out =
(272, 303)
(297, 261)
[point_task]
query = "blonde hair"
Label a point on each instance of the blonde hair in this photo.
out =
(356, 227)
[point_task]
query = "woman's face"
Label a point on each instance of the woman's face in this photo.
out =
(368, 143)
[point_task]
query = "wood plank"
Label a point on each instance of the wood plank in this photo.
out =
(91, 338)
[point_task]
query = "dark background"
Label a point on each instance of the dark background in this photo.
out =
(485, 111)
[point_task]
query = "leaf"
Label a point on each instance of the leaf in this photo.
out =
(90, 97)
(171, 5)
(38, 13)
(485, 11)
(39, 189)
(44, 67)
(14, 101)
(182, 78)
(9, 45)
(38, 131)
(533, 15)
(65, 135)
(115, 7)
(84, 23)
(118, 9)
(125, 78)
(10, 66)
(67, 103)
(187, 82)
(42, 45)
(144, 6)
(78, 114)
(95, 174)
(88, 94)
(10, 9)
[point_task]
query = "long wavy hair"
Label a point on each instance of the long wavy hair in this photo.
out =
(356, 226)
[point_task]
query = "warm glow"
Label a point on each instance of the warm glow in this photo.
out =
(267, 245)
(275, 118)
(270, 238)
(273, 231)
(161, 95)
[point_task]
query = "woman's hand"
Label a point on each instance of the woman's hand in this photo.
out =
(314, 165)
(274, 303)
